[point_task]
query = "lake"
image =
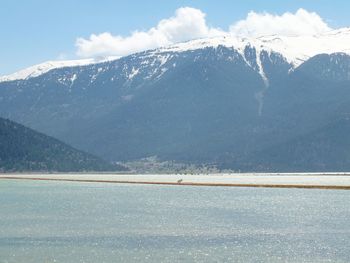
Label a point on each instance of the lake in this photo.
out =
(98, 222)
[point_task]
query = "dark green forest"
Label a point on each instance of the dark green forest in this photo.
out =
(23, 149)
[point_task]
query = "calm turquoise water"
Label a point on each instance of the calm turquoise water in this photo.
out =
(96, 222)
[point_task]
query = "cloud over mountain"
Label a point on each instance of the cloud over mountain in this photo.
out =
(187, 23)
(287, 24)
(190, 23)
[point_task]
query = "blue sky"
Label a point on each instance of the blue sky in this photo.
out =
(35, 31)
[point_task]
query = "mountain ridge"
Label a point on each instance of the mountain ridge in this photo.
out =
(290, 47)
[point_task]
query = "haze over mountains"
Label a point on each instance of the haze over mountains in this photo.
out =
(271, 103)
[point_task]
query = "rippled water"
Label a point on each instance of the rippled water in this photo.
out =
(97, 222)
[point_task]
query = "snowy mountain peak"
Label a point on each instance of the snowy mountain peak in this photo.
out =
(42, 68)
(295, 49)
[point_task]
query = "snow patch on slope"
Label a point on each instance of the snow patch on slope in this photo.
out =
(133, 73)
(261, 94)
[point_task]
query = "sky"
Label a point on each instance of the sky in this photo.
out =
(35, 31)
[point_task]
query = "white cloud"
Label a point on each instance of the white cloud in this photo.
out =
(190, 23)
(288, 24)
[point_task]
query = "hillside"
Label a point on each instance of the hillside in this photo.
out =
(23, 149)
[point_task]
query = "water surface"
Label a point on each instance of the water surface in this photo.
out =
(98, 222)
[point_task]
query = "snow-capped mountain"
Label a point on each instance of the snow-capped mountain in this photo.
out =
(295, 49)
(42, 68)
(292, 48)
(270, 103)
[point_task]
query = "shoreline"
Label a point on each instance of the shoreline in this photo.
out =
(334, 181)
(324, 187)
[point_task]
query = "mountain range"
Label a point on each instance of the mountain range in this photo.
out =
(272, 103)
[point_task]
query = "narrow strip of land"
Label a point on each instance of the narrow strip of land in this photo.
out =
(301, 180)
